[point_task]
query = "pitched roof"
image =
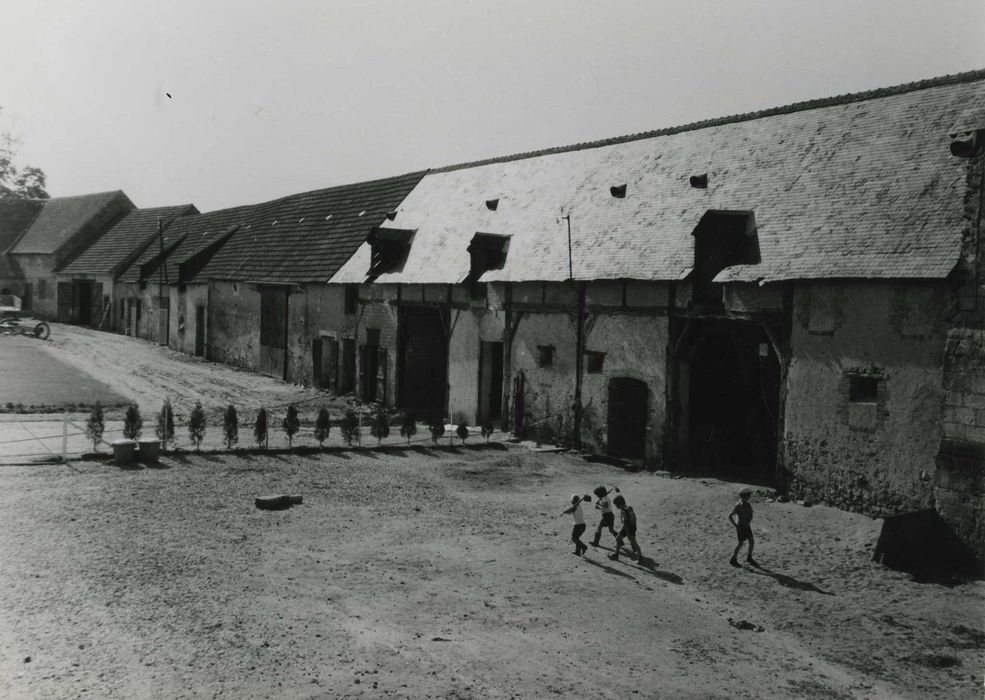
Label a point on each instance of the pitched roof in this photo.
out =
(126, 239)
(856, 186)
(61, 219)
(185, 238)
(16, 216)
(306, 237)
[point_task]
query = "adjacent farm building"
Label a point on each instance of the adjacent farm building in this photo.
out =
(793, 296)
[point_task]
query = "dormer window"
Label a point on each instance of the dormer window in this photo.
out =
(487, 251)
(390, 247)
(721, 239)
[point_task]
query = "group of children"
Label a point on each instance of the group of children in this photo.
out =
(740, 516)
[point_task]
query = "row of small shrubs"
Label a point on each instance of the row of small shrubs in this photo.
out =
(349, 426)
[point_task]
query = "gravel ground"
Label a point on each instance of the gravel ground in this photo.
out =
(447, 573)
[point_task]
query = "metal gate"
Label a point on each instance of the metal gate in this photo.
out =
(273, 332)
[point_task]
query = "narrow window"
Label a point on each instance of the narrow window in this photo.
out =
(545, 355)
(594, 362)
(863, 409)
(351, 298)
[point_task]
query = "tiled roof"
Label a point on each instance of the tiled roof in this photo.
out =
(185, 238)
(856, 186)
(306, 237)
(16, 216)
(130, 236)
(63, 218)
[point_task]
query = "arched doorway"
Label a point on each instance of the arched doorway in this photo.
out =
(627, 418)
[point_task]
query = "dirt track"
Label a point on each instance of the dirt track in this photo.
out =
(427, 573)
(146, 373)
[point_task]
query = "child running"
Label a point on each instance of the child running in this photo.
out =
(579, 528)
(608, 517)
(741, 518)
(628, 530)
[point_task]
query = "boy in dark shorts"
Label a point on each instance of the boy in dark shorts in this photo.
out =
(741, 518)
(628, 530)
(608, 517)
(579, 528)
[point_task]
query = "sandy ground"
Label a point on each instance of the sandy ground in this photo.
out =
(447, 573)
(146, 373)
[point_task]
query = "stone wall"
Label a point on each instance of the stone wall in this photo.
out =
(864, 393)
(959, 483)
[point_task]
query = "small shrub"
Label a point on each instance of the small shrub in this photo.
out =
(230, 426)
(487, 430)
(260, 428)
(132, 422)
(291, 425)
(437, 428)
(350, 427)
(95, 426)
(165, 424)
(196, 425)
(408, 426)
(463, 432)
(380, 427)
(323, 426)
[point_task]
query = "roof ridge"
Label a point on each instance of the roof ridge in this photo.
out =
(267, 202)
(847, 98)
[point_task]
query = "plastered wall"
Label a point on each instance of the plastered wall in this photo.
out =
(873, 456)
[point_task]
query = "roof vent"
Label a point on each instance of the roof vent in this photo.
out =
(619, 191)
(328, 217)
(699, 181)
(492, 204)
(301, 220)
(391, 215)
(970, 144)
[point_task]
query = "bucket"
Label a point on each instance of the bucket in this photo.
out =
(123, 451)
(150, 450)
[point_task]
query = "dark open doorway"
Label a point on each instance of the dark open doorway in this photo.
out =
(424, 361)
(627, 418)
(273, 331)
(729, 393)
(490, 383)
(200, 330)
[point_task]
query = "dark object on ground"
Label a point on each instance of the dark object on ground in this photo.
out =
(922, 544)
(745, 625)
(277, 502)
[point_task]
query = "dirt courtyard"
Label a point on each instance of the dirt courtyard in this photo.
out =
(448, 573)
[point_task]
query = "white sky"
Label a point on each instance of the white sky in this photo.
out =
(272, 98)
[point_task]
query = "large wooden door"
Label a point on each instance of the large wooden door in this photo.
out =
(273, 332)
(628, 415)
(424, 355)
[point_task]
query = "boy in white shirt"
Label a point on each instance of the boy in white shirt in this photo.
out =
(608, 517)
(579, 528)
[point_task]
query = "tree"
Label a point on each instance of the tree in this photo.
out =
(18, 183)
(132, 422)
(350, 427)
(408, 426)
(437, 428)
(260, 428)
(380, 427)
(462, 431)
(323, 426)
(165, 424)
(95, 426)
(230, 426)
(196, 425)
(291, 425)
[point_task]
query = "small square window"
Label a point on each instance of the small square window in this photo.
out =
(351, 298)
(545, 355)
(594, 361)
(863, 389)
